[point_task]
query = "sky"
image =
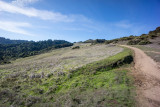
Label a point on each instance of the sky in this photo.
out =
(77, 20)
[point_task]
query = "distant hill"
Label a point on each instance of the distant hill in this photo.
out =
(130, 40)
(9, 41)
(13, 51)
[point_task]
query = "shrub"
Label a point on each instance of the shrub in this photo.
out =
(76, 47)
(153, 36)
(144, 42)
(99, 41)
(108, 42)
(133, 42)
(139, 41)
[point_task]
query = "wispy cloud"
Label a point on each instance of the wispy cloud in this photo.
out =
(123, 24)
(32, 12)
(23, 2)
(15, 27)
(21, 8)
(78, 24)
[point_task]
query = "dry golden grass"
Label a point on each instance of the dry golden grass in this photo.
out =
(63, 60)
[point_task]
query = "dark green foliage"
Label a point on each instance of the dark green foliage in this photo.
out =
(144, 42)
(99, 41)
(133, 42)
(8, 41)
(95, 41)
(76, 47)
(120, 39)
(153, 36)
(89, 41)
(14, 51)
(139, 42)
(155, 32)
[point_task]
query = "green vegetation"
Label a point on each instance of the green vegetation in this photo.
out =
(8, 41)
(70, 77)
(95, 41)
(101, 83)
(132, 40)
(76, 47)
(139, 42)
(13, 51)
(144, 39)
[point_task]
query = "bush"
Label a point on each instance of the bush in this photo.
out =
(144, 42)
(133, 42)
(140, 41)
(153, 36)
(76, 47)
(108, 41)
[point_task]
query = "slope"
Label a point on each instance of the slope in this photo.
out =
(88, 76)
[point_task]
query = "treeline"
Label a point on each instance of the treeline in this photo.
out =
(131, 40)
(95, 41)
(8, 41)
(10, 52)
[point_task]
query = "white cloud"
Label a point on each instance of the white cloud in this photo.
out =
(32, 12)
(23, 2)
(123, 24)
(15, 27)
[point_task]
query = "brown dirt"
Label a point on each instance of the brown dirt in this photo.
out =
(147, 79)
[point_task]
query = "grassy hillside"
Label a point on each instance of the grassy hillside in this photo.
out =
(86, 74)
(138, 40)
(63, 59)
(130, 40)
(10, 52)
(103, 81)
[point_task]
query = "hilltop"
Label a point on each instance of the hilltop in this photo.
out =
(9, 41)
(143, 39)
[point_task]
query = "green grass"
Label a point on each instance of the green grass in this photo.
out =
(101, 83)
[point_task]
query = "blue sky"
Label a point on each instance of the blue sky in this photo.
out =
(77, 20)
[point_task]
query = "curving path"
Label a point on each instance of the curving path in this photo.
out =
(147, 79)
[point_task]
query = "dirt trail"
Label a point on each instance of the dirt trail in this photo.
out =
(147, 79)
